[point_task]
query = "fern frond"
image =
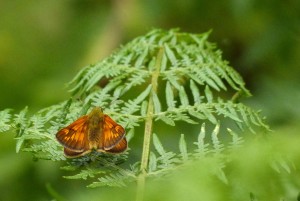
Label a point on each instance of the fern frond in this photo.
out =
(85, 174)
(166, 159)
(218, 147)
(236, 141)
(183, 97)
(20, 121)
(152, 162)
(5, 118)
(207, 147)
(113, 180)
(133, 106)
(183, 148)
(170, 97)
(166, 76)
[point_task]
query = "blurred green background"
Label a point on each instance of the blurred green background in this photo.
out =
(43, 44)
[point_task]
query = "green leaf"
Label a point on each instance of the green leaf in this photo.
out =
(183, 148)
(170, 97)
(168, 120)
(156, 102)
(195, 92)
(183, 97)
(215, 78)
(143, 95)
(170, 55)
(202, 147)
(208, 95)
(5, 118)
(157, 144)
(144, 108)
(152, 162)
(218, 146)
(85, 174)
(141, 59)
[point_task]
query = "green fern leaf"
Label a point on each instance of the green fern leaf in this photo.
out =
(5, 118)
(193, 76)
(183, 148)
(202, 147)
(152, 162)
(170, 97)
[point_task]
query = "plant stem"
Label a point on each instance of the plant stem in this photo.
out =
(148, 130)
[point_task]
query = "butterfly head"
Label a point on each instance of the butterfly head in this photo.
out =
(97, 111)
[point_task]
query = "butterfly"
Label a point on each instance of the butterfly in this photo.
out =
(95, 131)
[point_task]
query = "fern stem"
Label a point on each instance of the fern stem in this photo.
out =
(148, 129)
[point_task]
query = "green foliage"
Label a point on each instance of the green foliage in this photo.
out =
(164, 76)
(248, 175)
(5, 117)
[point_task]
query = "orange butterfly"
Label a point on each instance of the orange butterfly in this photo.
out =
(95, 131)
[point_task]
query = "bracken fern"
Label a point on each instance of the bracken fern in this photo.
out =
(166, 76)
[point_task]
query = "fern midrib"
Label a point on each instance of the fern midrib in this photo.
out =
(148, 129)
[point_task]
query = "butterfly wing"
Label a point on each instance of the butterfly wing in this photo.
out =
(112, 136)
(74, 136)
(120, 147)
(73, 154)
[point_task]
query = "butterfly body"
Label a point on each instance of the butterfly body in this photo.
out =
(95, 122)
(95, 131)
